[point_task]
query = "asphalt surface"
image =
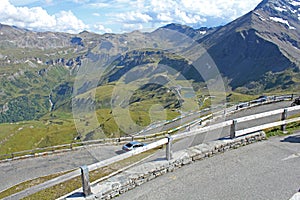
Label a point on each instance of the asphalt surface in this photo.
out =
(225, 132)
(18, 171)
(268, 170)
(15, 172)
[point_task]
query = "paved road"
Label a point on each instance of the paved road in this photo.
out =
(266, 170)
(14, 172)
(17, 171)
(224, 132)
(177, 123)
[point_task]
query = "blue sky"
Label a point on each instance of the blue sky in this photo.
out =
(117, 16)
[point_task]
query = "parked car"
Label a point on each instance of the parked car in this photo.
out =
(262, 98)
(296, 102)
(242, 105)
(132, 145)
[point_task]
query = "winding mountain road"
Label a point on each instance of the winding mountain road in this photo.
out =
(267, 170)
(17, 171)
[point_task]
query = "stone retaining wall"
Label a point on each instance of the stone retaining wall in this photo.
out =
(140, 174)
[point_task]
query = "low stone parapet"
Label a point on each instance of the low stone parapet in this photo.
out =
(145, 172)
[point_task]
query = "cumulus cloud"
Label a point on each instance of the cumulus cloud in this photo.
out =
(100, 28)
(130, 27)
(133, 17)
(66, 21)
(192, 12)
(37, 18)
(124, 14)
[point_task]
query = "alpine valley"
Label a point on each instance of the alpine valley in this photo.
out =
(42, 73)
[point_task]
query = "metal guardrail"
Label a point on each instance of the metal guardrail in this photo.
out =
(150, 137)
(168, 141)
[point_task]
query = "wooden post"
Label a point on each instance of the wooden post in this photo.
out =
(233, 129)
(86, 188)
(284, 117)
(169, 148)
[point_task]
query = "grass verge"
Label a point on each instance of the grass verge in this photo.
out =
(73, 184)
(276, 131)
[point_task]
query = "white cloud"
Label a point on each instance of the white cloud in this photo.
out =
(130, 27)
(133, 17)
(80, 1)
(100, 28)
(37, 18)
(125, 14)
(191, 12)
(66, 21)
(99, 5)
(48, 1)
(96, 14)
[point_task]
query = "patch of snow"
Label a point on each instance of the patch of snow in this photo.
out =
(283, 21)
(243, 36)
(293, 11)
(260, 16)
(295, 3)
(280, 9)
(202, 32)
(280, 20)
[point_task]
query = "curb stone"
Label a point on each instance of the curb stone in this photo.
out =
(145, 172)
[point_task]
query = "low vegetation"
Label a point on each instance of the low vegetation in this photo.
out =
(73, 184)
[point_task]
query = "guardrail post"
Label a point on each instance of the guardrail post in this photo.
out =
(233, 129)
(169, 148)
(86, 188)
(283, 117)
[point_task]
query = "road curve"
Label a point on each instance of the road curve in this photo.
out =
(17, 171)
(261, 171)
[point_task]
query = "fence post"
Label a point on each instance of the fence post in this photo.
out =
(169, 148)
(86, 188)
(283, 117)
(233, 129)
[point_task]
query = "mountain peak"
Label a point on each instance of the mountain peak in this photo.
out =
(281, 9)
(283, 3)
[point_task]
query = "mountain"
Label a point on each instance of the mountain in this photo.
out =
(262, 43)
(40, 72)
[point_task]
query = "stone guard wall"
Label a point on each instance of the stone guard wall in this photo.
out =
(142, 173)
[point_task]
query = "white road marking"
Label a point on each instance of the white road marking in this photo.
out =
(295, 155)
(296, 196)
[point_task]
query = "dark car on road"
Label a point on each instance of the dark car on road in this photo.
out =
(132, 145)
(262, 98)
(296, 102)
